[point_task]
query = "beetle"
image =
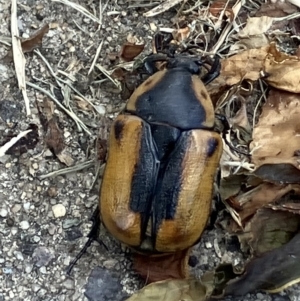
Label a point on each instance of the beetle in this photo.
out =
(157, 186)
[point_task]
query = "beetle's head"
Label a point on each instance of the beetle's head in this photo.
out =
(192, 65)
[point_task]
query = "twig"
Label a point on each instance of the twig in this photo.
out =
(79, 8)
(162, 8)
(96, 57)
(14, 140)
(67, 170)
(19, 59)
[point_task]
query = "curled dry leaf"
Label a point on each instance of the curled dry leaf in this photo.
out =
(157, 268)
(283, 70)
(258, 197)
(276, 139)
(129, 51)
(35, 40)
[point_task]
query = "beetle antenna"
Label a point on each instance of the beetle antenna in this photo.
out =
(93, 235)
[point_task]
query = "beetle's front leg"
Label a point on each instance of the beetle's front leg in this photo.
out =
(149, 62)
(214, 71)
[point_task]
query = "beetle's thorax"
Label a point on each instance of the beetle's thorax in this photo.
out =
(173, 97)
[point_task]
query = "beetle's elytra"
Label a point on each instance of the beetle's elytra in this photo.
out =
(157, 186)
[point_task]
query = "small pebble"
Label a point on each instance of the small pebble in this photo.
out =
(208, 245)
(3, 212)
(59, 210)
(43, 270)
(52, 191)
(24, 225)
(35, 166)
(69, 284)
(69, 223)
(110, 263)
(26, 206)
(19, 255)
(16, 208)
(52, 229)
(42, 257)
(28, 268)
(35, 287)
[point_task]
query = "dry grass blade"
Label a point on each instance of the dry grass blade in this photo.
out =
(95, 58)
(162, 8)
(67, 170)
(236, 8)
(19, 59)
(106, 73)
(79, 8)
(8, 145)
(5, 40)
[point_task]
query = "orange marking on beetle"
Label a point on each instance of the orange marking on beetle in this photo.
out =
(194, 201)
(204, 100)
(117, 180)
(146, 86)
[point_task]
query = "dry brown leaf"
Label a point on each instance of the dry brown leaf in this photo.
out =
(269, 229)
(256, 26)
(129, 51)
(54, 138)
(276, 139)
(245, 65)
(157, 268)
(172, 290)
(181, 34)
(259, 197)
(283, 70)
(35, 40)
(251, 42)
(217, 7)
(273, 272)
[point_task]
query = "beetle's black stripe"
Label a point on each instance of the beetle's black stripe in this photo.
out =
(118, 129)
(169, 183)
(144, 178)
(212, 146)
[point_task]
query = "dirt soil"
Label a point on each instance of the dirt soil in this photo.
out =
(44, 220)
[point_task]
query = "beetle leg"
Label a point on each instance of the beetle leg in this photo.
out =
(162, 41)
(92, 236)
(149, 62)
(213, 73)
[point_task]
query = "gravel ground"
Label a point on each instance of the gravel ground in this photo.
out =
(43, 222)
